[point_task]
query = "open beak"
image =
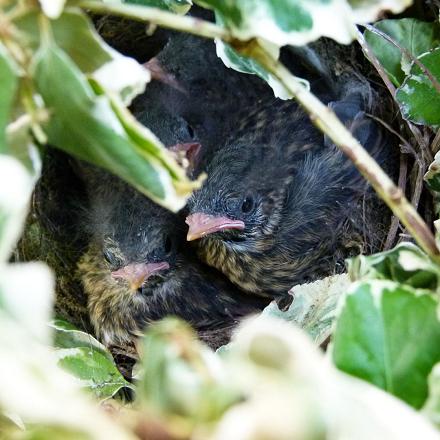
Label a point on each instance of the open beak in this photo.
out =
(136, 274)
(201, 224)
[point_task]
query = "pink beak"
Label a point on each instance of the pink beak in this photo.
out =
(136, 274)
(201, 224)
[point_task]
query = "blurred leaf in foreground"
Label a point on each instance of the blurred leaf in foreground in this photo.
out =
(182, 379)
(177, 6)
(432, 405)
(34, 391)
(87, 126)
(292, 392)
(16, 186)
(9, 78)
(389, 335)
(87, 360)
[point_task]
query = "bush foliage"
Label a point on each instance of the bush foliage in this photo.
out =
(62, 84)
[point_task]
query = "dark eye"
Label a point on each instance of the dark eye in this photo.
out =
(190, 130)
(168, 245)
(247, 205)
(111, 258)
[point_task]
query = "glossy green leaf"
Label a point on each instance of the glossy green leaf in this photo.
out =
(87, 126)
(419, 100)
(413, 35)
(178, 6)
(8, 89)
(389, 335)
(94, 371)
(406, 264)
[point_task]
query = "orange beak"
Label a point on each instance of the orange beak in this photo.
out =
(201, 224)
(136, 274)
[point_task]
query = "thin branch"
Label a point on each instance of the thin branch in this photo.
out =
(435, 145)
(406, 147)
(376, 63)
(184, 23)
(418, 187)
(394, 226)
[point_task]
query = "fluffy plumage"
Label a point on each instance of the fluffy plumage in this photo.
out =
(127, 229)
(282, 205)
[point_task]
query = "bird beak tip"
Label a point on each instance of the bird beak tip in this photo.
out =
(201, 224)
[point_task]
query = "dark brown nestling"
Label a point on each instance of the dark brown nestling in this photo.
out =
(281, 204)
(134, 271)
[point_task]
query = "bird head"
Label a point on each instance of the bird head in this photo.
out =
(134, 241)
(241, 202)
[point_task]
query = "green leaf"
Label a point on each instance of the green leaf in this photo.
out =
(44, 432)
(75, 34)
(314, 306)
(180, 376)
(8, 89)
(232, 59)
(177, 6)
(284, 22)
(87, 360)
(416, 36)
(406, 264)
(87, 126)
(93, 56)
(418, 98)
(389, 335)
(94, 371)
(68, 336)
(298, 22)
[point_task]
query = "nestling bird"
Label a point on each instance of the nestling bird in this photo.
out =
(282, 204)
(134, 271)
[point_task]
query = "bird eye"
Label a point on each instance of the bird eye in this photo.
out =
(168, 245)
(190, 130)
(108, 256)
(247, 205)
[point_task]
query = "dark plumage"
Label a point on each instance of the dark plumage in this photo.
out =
(282, 205)
(134, 271)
